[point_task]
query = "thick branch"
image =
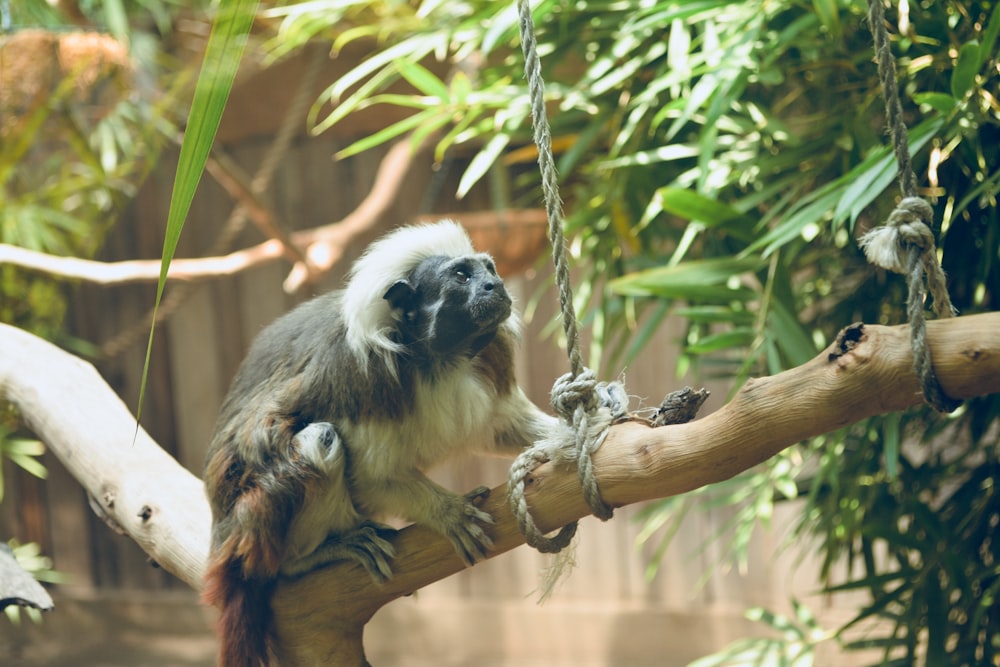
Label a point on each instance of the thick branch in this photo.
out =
(72, 410)
(320, 618)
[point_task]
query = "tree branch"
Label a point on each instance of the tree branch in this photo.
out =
(320, 618)
(320, 247)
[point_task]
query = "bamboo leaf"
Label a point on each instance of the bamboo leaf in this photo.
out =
(222, 58)
(391, 132)
(695, 280)
(964, 74)
(481, 163)
(422, 79)
(724, 340)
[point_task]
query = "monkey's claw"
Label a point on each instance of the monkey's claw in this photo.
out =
(368, 546)
(464, 529)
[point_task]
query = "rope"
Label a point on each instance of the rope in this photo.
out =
(905, 244)
(575, 395)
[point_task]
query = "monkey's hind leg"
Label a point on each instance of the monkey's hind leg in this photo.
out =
(366, 545)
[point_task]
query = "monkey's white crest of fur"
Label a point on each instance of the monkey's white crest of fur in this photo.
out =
(390, 258)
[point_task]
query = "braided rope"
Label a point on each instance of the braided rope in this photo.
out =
(905, 244)
(574, 396)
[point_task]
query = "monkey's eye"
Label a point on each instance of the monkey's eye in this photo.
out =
(462, 276)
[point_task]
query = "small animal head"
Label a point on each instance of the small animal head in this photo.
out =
(373, 320)
(449, 306)
(320, 446)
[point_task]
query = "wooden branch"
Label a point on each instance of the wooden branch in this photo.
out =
(331, 241)
(67, 404)
(140, 270)
(232, 179)
(325, 244)
(320, 618)
(320, 248)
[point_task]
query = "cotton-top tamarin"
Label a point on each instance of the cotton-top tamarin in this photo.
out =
(339, 407)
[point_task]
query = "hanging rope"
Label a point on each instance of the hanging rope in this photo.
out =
(905, 244)
(575, 395)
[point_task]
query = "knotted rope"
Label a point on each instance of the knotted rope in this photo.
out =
(905, 244)
(575, 396)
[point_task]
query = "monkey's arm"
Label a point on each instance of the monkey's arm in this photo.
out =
(415, 497)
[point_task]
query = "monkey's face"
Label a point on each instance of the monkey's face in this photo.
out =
(450, 305)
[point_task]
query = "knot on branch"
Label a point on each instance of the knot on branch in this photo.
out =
(908, 226)
(570, 393)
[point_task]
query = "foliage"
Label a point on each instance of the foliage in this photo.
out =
(78, 134)
(223, 53)
(25, 453)
(719, 159)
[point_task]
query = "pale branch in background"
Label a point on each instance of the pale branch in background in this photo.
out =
(321, 247)
(320, 618)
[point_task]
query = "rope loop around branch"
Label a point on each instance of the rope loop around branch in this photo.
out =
(574, 396)
(906, 243)
(570, 392)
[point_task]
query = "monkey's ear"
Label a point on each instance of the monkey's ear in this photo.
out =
(401, 295)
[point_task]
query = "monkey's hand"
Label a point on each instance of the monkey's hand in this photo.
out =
(427, 503)
(368, 546)
(460, 523)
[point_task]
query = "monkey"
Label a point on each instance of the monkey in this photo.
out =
(316, 455)
(410, 364)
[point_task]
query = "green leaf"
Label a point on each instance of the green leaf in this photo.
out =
(724, 340)
(829, 15)
(696, 207)
(938, 101)
(695, 280)
(964, 74)
(713, 314)
(986, 49)
(422, 79)
(481, 163)
(114, 13)
(793, 341)
(222, 58)
(661, 154)
(391, 132)
(379, 80)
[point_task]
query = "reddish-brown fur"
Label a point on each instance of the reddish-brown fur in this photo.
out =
(243, 570)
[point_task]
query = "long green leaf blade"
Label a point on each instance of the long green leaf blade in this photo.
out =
(222, 58)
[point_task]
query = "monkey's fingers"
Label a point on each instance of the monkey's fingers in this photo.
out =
(468, 537)
(478, 495)
(367, 546)
(373, 551)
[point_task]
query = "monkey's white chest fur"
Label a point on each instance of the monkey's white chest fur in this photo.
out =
(453, 414)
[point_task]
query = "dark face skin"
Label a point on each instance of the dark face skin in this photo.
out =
(450, 306)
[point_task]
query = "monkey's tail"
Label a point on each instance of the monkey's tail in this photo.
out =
(245, 619)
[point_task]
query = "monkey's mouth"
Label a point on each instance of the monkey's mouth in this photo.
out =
(492, 312)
